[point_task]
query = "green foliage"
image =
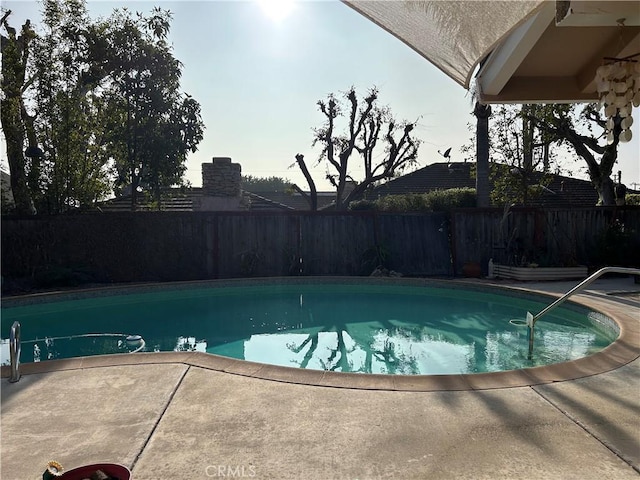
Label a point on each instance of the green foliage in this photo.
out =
(13, 116)
(585, 132)
(617, 246)
(442, 200)
(265, 184)
(411, 202)
(362, 205)
(107, 103)
(154, 125)
(374, 257)
(632, 199)
(435, 201)
(523, 153)
(73, 171)
(514, 186)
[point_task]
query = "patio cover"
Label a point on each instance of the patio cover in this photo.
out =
(530, 50)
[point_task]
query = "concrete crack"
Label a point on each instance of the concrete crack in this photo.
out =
(157, 422)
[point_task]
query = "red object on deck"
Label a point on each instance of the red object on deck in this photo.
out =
(112, 469)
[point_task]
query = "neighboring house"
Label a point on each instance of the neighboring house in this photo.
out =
(221, 191)
(561, 192)
(287, 201)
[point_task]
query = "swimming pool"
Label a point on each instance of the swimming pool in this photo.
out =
(358, 325)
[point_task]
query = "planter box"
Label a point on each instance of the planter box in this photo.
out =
(540, 273)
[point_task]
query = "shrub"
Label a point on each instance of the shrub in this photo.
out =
(435, 201)
(440, 200)
(632, 199)
(401, 203)
(362, 205)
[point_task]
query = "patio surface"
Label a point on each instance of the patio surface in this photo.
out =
(177, 418)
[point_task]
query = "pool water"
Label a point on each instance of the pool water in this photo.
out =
(388, 329)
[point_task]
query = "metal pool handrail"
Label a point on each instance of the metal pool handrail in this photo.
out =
(532, 319)
(132, 340)
(15, 346)
(14, 352)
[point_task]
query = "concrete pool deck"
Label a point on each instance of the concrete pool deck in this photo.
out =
(176, 417)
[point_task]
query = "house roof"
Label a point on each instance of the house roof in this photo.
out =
(289, 201)
(177, 202)
(183, 200)
(561, 192)
(437, 176)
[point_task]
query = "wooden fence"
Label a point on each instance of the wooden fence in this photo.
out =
(173, 246)
(166, 246)
(586, 236)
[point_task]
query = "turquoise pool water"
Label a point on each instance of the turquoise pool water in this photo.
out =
(390, 329)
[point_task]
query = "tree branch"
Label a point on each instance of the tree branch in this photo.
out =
(312, 199)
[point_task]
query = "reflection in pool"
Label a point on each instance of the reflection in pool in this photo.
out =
(368, 328)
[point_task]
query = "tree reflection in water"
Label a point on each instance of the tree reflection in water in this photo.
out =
(339, 357)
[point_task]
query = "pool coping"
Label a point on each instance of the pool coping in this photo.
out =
(625, 349)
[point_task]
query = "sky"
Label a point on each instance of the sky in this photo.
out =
(258, 72)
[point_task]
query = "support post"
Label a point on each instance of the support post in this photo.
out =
(14, 352)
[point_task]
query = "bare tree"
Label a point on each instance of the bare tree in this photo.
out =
(368, 126)
(312, 196)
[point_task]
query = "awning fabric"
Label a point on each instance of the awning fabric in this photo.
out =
(453, 35)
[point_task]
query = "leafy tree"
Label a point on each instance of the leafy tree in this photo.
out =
(583, 129)
(522, 155)
(368, 124)
(101, 97)
(15, 57)
(525, 150)
(264, 184)
(153, 124)
(70, 114)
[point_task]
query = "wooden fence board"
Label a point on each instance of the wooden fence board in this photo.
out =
(545, 237)
(255, 246)
(335, 244)
(417, 244)
(164, 246)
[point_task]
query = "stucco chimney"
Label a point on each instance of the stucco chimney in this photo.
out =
(221, 178)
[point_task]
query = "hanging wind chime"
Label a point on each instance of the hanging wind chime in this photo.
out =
(618, 85)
